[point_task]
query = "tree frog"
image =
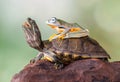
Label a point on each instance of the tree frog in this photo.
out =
(65, 29)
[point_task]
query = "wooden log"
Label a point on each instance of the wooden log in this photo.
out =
(89, 70)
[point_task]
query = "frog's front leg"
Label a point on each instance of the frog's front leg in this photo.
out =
(63, 34)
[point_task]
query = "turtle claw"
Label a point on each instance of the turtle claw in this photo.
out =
(32, 61)
(58, 65)
(37, 58)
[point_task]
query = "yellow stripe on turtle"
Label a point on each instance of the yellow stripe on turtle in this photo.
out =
(74, 56)
(58, 52)
(66, 53)
(48, 58)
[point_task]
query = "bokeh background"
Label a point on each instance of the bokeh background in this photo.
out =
(101, 17)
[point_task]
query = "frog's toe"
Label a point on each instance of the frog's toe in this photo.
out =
(61, 37)
(51, 37)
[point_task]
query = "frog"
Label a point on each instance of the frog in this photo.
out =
(65, 29)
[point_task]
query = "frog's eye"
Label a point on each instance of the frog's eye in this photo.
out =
(53, 20)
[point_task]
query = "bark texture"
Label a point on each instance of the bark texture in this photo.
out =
(89, 70)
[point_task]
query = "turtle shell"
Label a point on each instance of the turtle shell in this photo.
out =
(73, 48)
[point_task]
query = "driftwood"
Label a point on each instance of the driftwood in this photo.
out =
(89, 70)
(85, 70)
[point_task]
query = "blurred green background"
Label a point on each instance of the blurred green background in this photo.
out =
(101, 17)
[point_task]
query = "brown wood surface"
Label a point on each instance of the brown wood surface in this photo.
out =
(89, 70)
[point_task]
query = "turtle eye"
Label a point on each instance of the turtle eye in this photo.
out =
(53, 20)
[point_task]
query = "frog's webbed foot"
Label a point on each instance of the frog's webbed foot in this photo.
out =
(61, 37)
(52, 37)
(32, 34)
(57, 36)
(37, 58)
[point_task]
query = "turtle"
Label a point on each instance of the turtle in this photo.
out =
(71, 43)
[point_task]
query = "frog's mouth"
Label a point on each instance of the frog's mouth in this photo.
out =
(52, 26)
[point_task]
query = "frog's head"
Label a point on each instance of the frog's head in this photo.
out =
(57, 24)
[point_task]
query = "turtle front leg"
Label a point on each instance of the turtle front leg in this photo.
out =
(32, 34)
(51, 56)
